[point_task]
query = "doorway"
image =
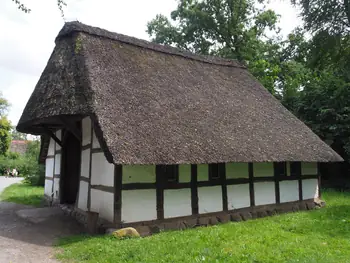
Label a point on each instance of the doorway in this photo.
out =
(70, 168)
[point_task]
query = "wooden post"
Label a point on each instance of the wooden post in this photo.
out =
(92, 219)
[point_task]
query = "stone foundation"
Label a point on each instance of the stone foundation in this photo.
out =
(156, 226)
(180, 223)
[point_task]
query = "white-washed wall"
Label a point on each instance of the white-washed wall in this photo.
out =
(139, 205)
(289, 191)
(209, 199)
(237, 170)
(86, 131)
(309, 168)
(139, 174)
(238, 196)
(48, 188)
(184, 173)
(56, 188)
(310, 188)
(49, 169)
(177, 202)
(83, 195)
(95, 143)
(102, 172)
(264, 193)
(85, 165)
(263, 169)
(102, 203)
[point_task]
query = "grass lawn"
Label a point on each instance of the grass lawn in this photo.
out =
(312, 237)
(23, 193)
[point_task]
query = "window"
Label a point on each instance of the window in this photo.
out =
(281, 169)
(295, 168)
(216, 171)
(171, 173)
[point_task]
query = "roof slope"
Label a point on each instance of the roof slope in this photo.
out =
(155, 104)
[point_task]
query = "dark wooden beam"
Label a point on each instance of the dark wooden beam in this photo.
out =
(53, 136)
(277, 183)
(222, 174)
(160, 192)
(251, 184)
(194, 189)
(70, 126)
(118, 183)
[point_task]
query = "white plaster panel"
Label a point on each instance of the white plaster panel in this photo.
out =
(95, 143)
(103, 203)
(86, 131)
(139, 174)
(48, 187)
(102, 172)
(237, 170)
(263, 169)
(202, 172)
(57, 163)
(309, 168)
(139, 205)
(310, 188)
(177, 203)
(209, 199)
(238, 196)
(49, 167)
(83, 195)
(59, 136)
(56, 187)
(289, 191)
(51, 150)
(85, 163)
(264, 193)
(184, 173)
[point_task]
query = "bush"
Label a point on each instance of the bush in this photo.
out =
(27, 165)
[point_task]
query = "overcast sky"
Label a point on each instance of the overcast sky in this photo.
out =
(27, 40)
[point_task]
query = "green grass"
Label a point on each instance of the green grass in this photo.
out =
(23, 193)
(312, 237)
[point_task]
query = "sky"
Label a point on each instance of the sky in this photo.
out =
(27, 40)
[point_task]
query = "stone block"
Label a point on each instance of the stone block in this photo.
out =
(143, 230)
(246, 216)
(203, 221)
(236, 217)
(223, 218)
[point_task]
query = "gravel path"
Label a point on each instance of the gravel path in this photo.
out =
(24, 242)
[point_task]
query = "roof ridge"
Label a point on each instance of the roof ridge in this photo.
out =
(75, 26)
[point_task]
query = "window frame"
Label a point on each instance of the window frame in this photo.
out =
(216, 171)
(170, 172)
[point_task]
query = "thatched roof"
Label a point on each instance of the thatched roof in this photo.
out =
(152, 104)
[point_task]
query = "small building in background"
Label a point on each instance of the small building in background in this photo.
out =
(19, 146)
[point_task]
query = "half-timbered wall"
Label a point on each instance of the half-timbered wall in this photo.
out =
(244, 185)
(96, 189)
(135, 193)
(53, 169)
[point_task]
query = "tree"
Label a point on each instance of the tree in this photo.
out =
(5, 126)
(15, 135)
(227, 28)
(22, 7)
(5, 137)
(332, 16)
(4, 105)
